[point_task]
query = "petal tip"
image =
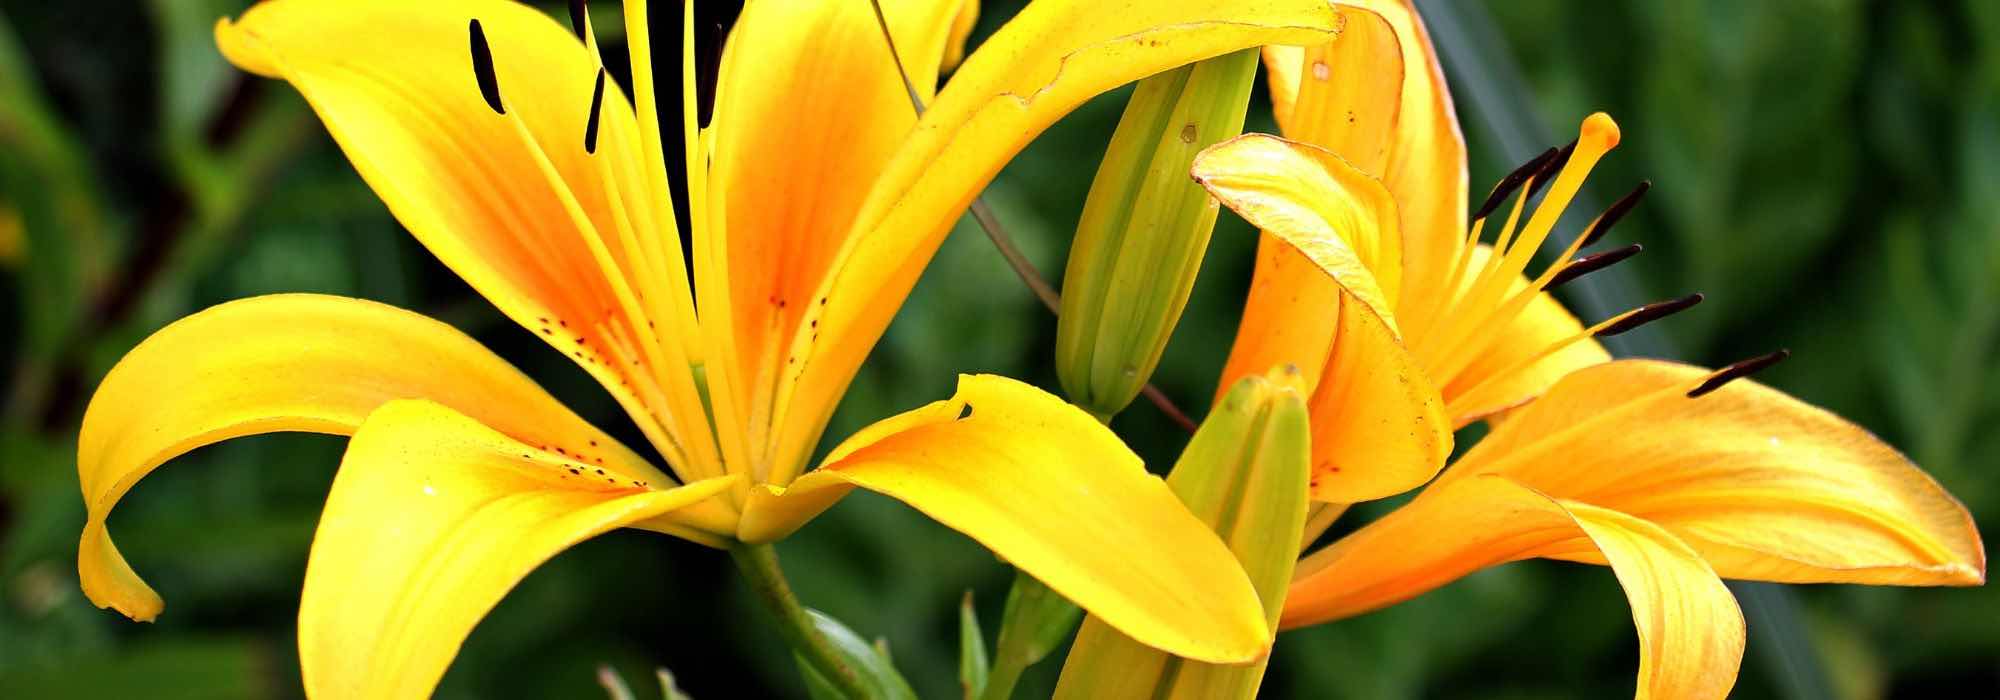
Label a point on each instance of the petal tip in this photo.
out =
(109, 582)
(241, 48)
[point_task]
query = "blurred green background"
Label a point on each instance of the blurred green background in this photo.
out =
(1828, 171)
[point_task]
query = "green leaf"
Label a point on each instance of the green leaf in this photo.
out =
(878, 675)
(971, 649)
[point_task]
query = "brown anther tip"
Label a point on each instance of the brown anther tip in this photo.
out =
(596, 107)
(1616, 211)
(1507, 185)
(1591, 263)
(1738, 371)
(579, 11)
(1550, 169)
(1650, 313)
(482, 68)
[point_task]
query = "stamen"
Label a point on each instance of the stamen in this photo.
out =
(1548, 173)
(1617, 211)
(1511, 182)
(596, 108)
(579, 13)
(482, 68)
(1648, 314)
(1591, 263)
(1486, 300)
(1738, 371)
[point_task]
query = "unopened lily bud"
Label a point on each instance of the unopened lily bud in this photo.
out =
(1246, 474)
(1144, 230)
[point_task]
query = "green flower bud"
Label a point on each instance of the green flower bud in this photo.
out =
(1144, 230)
(1246, 474)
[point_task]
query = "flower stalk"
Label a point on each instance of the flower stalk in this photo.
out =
(759, 564)
(1034, 624)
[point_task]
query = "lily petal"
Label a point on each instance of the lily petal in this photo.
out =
(292, 362)
(1378, 424)
(432, 519)
(1046, 487)
(1047, 60)
(1347, 101)
(809, 109)
(1334, 100)
(1690, 630)
(1517, 363)
(566, 242)
(1765, 486)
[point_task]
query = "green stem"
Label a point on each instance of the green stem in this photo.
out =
(759, 563)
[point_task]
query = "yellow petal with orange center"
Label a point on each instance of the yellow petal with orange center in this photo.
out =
(1765, 486)
(1047, 60)
(432, 519)
(809, 109)
(1053, 492)
(576, 246)
(293, 362)
(1690, 630)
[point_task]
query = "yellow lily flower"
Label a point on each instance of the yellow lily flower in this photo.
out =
(1370, 279)
(816, 198)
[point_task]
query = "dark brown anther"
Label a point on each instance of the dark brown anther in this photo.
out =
(579, 13)
(1551, 169)
(596, 107)
(1512, 182)
(1617, 211)
(1591, 263)
(482, 69)
(1650, 313)
(1738, 371)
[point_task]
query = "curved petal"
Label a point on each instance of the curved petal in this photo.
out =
(1427, 165)
(1050, 58)
(1522, 361)
(1344, 95)
(1378, 424)
(1243, 473)
(292, 362)
(1046, 487)
(1341, 96)
(1766, 487)
(809, 109)
(573, 245)
(1690, 630)
(432, 519)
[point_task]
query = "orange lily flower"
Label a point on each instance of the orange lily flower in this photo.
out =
(816, 199)
(1373, 282)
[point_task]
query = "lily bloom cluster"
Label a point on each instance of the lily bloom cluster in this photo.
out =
(1674, 476)
(816, 196)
